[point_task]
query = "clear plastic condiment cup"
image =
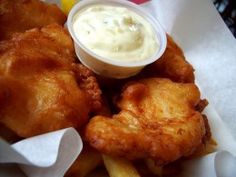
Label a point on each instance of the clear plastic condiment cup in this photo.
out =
(103, 65)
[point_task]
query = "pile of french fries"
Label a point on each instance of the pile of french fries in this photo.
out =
(90, 159)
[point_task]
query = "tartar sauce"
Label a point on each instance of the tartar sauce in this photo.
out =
(115, 33)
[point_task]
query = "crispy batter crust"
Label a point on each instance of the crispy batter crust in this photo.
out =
(42, 89)
(157, 120)
(172, 65)
(21, 15)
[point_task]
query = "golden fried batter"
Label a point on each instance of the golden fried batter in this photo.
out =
(157, 120)
(42, 89)
(171, 65)
(21, 15)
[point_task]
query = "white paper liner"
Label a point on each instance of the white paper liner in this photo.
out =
(45, 155)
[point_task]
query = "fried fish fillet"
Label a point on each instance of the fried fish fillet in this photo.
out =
(157, 120)
(172, 65)
(21, 15)
(42, 88)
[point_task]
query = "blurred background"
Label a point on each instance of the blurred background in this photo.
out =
(227, 10)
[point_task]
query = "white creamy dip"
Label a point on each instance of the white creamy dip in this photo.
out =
(115, 33)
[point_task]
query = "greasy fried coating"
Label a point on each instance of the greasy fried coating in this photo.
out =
(21, 15)
(201, 105)
(172, 65)
(157, 120)
(88, 82)
(42, 89)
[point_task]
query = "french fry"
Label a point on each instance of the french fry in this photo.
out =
(118, 167)
(87, 161)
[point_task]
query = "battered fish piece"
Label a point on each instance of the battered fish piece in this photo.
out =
(21, 15)
(172, 65)
(42, 88)
(157, 120)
